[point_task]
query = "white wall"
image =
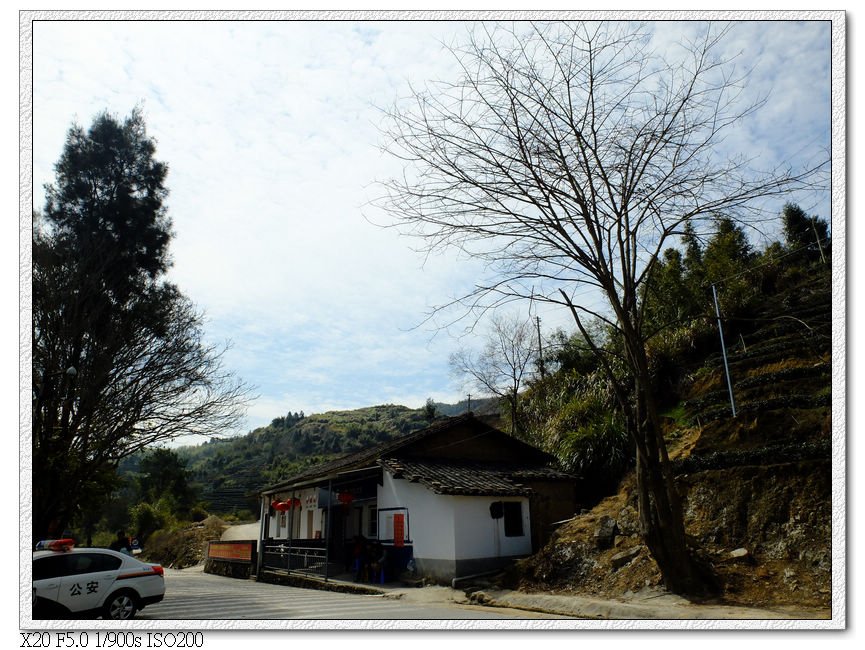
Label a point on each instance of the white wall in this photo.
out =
(446, 527)
(478, 535)
(301, 529)
(430, 520)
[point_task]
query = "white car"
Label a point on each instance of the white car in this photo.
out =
(91, 582)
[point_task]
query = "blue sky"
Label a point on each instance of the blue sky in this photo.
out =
(270, 133)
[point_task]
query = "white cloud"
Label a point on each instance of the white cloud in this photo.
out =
(270, 133)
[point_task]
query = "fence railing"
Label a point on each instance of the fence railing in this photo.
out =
(302, 557)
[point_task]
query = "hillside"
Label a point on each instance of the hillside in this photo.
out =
(229, 472)
(756, 488)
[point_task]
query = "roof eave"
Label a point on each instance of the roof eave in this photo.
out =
(317, 481)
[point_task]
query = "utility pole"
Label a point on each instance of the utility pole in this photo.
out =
(540, 349)
(817, 237)
(724, 351)
(469, 408)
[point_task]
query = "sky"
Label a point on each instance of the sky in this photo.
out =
(271, 133)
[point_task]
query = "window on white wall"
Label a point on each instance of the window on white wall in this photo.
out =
(513, 515)
(394, 525)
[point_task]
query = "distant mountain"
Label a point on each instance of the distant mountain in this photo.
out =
(488, 406)
(230, 472)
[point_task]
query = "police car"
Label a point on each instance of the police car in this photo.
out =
(71, 582)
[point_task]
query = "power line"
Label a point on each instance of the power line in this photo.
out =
(768, 262)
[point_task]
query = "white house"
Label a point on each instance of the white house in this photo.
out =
(457, 498)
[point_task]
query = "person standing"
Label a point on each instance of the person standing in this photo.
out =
(121, 543)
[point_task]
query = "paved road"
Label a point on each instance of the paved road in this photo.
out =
(194, 595)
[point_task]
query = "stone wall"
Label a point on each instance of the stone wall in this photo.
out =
(228, 569)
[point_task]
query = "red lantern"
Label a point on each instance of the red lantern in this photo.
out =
(294, 502)
(280, 506)
(345, 498)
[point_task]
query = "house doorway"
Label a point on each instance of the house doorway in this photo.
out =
(357, 520)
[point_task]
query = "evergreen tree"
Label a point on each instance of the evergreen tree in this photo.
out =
(164, 475)
(429, 410)
(693, 259)
(671, 299)
(726, 260)
(804, 232)
(118, 357)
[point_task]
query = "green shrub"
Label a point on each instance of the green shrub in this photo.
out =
(592, 441)
(147, 518)
(240, 516)
(103, 538)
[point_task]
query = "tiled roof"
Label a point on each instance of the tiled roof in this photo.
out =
(455, 478)
(368, 457)
(441, 476)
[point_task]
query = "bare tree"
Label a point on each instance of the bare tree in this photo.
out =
(502, 366)
(567, 157)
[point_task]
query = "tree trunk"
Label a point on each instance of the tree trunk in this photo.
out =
(50, 517)
(664, 534)
(661, 518)
(661, 521)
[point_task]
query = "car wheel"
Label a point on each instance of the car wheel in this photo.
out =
(120, 606)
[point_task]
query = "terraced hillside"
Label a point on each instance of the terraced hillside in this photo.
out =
(781, 373)
(756, 488)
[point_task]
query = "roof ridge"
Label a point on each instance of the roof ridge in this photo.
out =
(374, 452)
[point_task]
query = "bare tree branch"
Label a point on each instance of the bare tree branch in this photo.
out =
(503, 365)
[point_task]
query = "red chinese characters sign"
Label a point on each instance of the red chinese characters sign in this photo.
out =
(231, 551)
(398, 530)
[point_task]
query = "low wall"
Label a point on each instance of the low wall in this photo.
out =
(228, 569)
(294, 580)
(444, 571)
